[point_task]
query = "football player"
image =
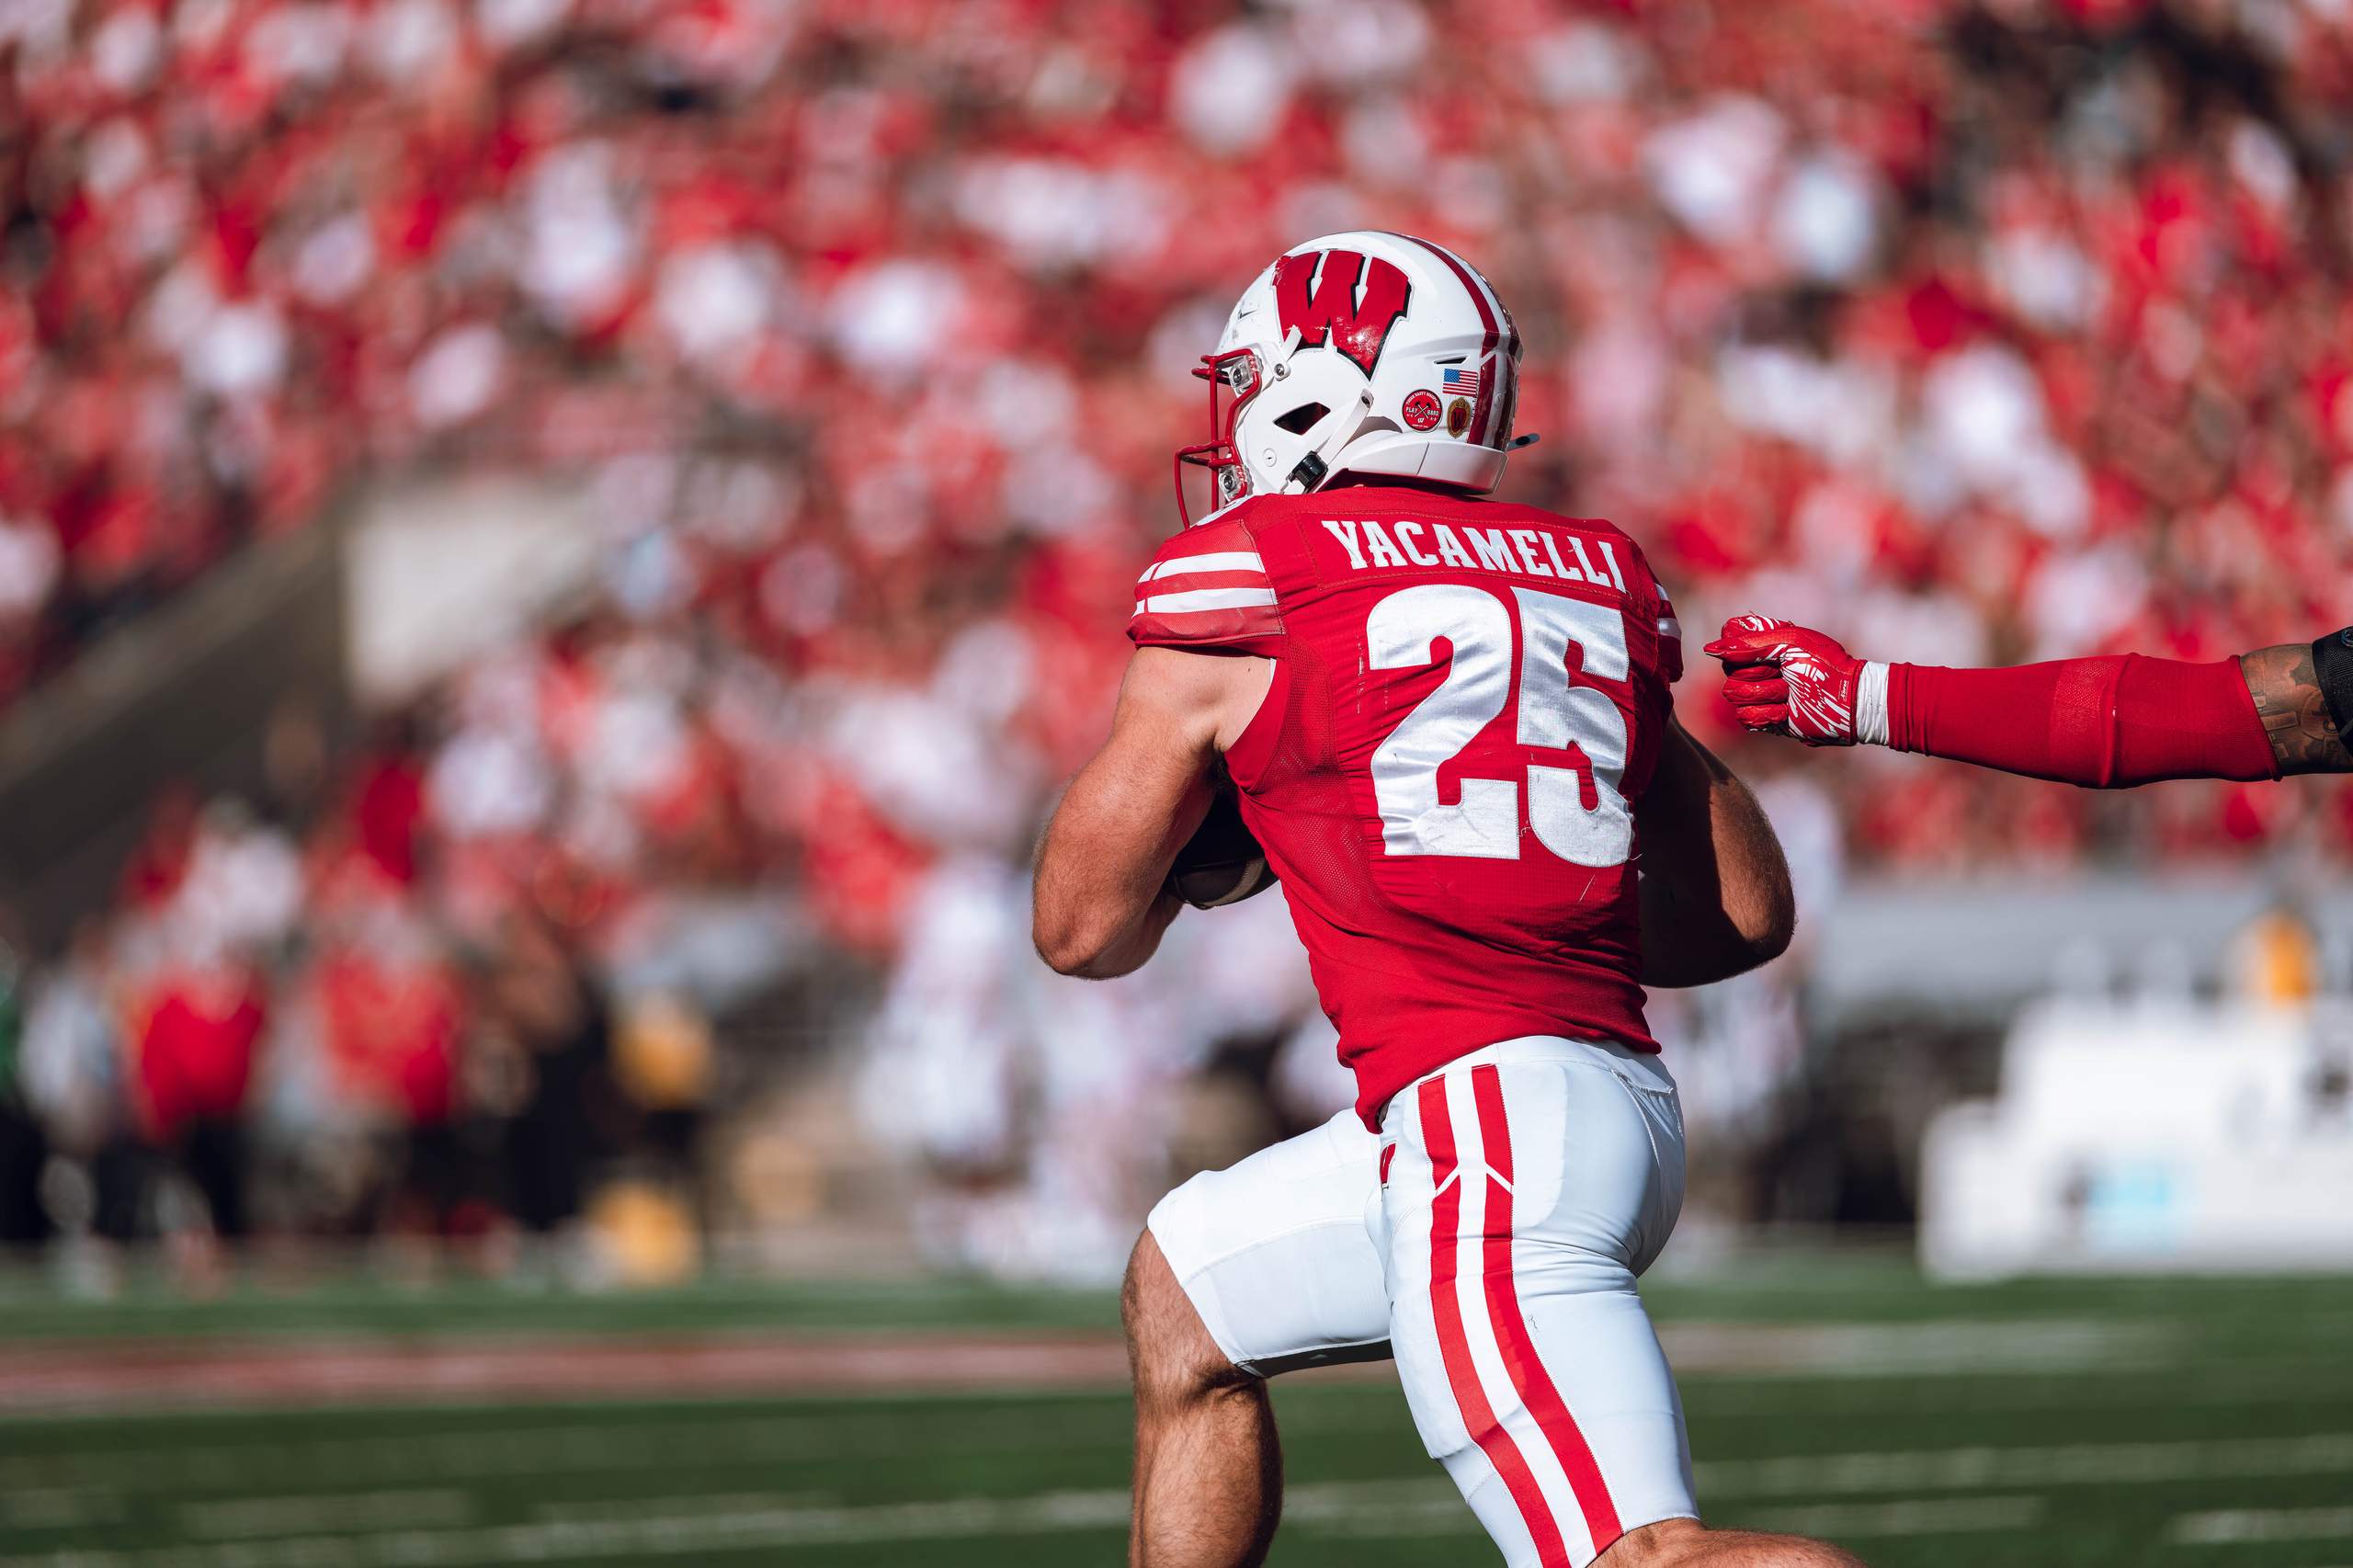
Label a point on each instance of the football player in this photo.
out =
(2108, 723)
(1446, 723)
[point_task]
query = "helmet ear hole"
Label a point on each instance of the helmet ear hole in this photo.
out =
(1302, 419)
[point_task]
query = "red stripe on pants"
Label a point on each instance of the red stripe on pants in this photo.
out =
(1478, 1417)
(1527, 1374)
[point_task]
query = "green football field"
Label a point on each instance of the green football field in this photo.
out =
(2149, 1422)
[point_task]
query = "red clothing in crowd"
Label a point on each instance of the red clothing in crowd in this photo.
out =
(196, 1052)
(387, 813)
(392, 1030)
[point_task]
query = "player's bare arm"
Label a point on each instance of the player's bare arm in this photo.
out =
(2111, 723)
(1100, 898)
(2286, 688)
(1715, 889)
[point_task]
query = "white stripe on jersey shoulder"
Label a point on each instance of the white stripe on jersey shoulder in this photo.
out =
(1205, 598)
(1669, 627)
(1209, 561)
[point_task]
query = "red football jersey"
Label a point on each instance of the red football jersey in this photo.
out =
(1467, 699)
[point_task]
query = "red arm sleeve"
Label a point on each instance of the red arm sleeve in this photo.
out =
(2106, 723)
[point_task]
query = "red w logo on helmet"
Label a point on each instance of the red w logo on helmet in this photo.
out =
(1333, 312)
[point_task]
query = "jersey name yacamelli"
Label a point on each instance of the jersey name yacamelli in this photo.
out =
(1467, 705)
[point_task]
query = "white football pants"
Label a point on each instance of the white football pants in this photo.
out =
(1490, 1236)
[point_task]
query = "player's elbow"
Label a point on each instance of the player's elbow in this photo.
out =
(1062, 944)
(1080, 960)
(1078, 944)
(1088, 962)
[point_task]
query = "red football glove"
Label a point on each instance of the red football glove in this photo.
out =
(1786, 679)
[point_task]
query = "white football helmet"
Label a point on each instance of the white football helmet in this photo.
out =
(1361, 352)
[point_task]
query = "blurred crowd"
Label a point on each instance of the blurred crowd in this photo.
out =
(1971, 332)
(284, 1031)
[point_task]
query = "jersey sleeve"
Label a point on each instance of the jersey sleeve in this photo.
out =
(1670, 638)
(1208, 588)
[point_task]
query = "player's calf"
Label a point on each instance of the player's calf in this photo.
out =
(1208, 1472)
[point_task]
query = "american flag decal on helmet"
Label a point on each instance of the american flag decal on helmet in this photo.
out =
(1462, 383)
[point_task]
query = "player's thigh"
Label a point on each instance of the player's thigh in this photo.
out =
(1274, 1253)
(1528, 1189)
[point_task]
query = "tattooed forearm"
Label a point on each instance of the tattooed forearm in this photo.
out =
(2288, 699)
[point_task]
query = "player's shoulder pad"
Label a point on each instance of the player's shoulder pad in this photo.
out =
(1208, 588)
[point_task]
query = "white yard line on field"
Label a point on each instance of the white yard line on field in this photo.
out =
(1880, 1472)
(2068, 1465)
(1373, 1507)
(1361, 1512)
(422, 1529)
(2228, 1526)
(1908, 1516)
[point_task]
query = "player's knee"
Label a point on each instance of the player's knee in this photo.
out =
(1170, 1352)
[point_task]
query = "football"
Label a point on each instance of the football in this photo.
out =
(1222, 863)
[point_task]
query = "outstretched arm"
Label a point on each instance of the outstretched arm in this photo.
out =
(2108, 722)
(1716, 890)
(1100, 899)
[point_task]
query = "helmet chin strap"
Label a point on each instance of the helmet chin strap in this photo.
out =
(1316, 466)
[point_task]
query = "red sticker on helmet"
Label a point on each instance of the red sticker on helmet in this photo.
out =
(1458, 416)
(1422, 410)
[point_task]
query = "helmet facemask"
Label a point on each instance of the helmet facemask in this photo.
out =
(1234, 378)
(1289, 414)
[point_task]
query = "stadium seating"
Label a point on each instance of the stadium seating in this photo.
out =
(866, 324)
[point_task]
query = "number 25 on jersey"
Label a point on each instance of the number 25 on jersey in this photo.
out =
(1553, 714)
